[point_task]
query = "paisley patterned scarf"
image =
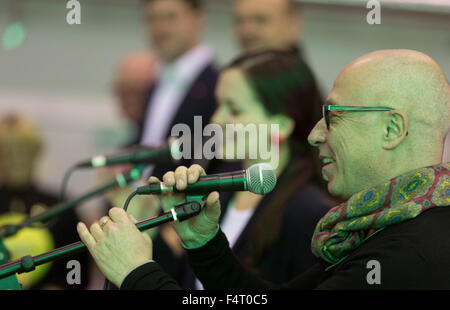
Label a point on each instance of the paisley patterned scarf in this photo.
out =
(349, 224)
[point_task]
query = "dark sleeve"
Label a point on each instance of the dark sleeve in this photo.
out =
(217, 268)
(149, 276)
(214, 264)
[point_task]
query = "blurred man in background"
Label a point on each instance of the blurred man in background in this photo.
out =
(186, 73)
(20, 145)
(135, 76)
(263, 24)
(269, 24)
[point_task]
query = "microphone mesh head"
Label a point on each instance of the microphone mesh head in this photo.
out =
(261, 179)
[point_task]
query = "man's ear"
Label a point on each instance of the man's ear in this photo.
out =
(286, 124)
(396, 125)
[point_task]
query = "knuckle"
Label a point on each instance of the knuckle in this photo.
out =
(92, 227)
(106, 229)
(196, 167)
(180, 170)
(167, 176)
(115, 211)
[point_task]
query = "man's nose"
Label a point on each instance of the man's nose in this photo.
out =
(318, 134)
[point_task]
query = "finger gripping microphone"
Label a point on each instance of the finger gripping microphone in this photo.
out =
(259, 179)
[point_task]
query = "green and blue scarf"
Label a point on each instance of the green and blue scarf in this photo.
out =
(349, 224)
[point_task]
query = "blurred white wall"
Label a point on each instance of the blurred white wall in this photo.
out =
(61, 74)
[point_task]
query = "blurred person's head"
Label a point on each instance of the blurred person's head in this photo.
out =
(174, 26)
(268, 87)
(134, 78)
(20, 145)
(362, 149)
(263, 24)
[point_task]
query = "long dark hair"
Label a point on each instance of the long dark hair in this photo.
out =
(284, 84)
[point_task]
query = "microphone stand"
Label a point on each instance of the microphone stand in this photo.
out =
(120, 181)
(9, 282)
(28, 263)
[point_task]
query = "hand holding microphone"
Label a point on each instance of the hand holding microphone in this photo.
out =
(197, 231)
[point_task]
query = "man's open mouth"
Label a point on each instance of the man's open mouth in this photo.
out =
(326, 161)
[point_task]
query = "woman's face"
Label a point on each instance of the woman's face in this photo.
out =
(238, 104)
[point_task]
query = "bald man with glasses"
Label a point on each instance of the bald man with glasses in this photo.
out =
(381, 143)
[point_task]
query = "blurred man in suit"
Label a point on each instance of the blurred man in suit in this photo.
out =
(186, 73)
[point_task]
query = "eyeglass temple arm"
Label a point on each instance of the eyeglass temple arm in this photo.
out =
(348, 108)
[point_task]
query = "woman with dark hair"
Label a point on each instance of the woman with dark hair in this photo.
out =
(272, 87)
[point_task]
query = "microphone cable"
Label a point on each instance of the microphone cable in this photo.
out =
(65, 181)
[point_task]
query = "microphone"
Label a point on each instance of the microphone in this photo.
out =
(135, 155)
(259, 179)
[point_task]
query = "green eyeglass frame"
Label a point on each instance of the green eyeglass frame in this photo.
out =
(327, 108)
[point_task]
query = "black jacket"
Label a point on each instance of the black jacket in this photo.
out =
(412, 255)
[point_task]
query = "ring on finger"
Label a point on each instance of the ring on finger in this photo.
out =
(103, 223)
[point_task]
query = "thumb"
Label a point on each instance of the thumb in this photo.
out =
(212, 208)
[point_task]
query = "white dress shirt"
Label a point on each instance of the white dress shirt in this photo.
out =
(174, 82)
